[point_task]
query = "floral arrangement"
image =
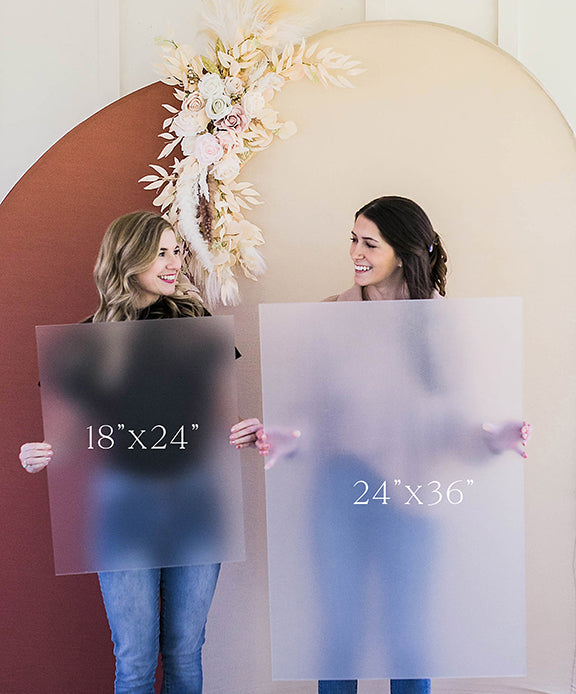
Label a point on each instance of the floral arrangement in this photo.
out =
(224, 117)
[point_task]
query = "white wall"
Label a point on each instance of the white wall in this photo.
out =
(59, 65)
(63, 61)
(476, 16)
(547, 48)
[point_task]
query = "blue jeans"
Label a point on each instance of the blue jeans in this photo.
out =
(164, 608)
(396, 687)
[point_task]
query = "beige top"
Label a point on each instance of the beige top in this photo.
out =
(369, 293)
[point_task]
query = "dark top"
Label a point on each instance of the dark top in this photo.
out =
(158, 310)
(144, 403)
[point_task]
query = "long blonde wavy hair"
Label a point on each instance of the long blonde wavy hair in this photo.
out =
(129, 247)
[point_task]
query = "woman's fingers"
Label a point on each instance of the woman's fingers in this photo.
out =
(508, 436)
(525, 432)
(245, 432)
(276, 443)
(35, 456)
(273, 443)
(262, 443)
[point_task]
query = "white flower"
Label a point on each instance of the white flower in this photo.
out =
(270, 83)
(227, 168)
(188, 145)
(207, 149)
(188, 123)
(269, 119)
(233, 85)
(218, 107)
(210, 85)
(274, 81)
(287, 129)
(253, 102)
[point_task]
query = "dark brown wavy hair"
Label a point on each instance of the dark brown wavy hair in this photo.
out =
(405, 226)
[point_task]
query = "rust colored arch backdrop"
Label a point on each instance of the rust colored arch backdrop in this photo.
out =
(51, 224)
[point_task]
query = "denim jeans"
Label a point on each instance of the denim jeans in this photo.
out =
(163, 608)
(396, 687)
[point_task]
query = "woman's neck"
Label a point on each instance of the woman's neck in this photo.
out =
(145, 300)
(394, 288)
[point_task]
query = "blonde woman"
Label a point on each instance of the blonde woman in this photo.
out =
(138, 276)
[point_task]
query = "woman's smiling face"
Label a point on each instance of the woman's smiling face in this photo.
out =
(375, 262)
(160, 278)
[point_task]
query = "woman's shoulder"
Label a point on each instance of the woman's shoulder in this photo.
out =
(178, 307)
(352, 294)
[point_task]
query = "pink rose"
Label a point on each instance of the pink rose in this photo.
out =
(193, 103)
(207, 149)
(229, 140)
(237, 119)
(233, 85)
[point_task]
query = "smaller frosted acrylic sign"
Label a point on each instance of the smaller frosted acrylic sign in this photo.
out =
(395, 534)
(138, 414)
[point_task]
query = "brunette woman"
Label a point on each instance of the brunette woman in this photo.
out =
(396, 254)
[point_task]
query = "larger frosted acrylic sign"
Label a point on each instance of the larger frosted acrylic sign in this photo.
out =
(138, 414)
(395, 534)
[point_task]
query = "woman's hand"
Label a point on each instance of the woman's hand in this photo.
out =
(508, 436)
(276, 443)
(35, 456)
(244, 434)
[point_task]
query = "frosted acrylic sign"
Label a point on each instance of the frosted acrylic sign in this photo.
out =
(138, 414)
(395, 535)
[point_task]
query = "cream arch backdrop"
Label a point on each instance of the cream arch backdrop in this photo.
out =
(458, 125)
